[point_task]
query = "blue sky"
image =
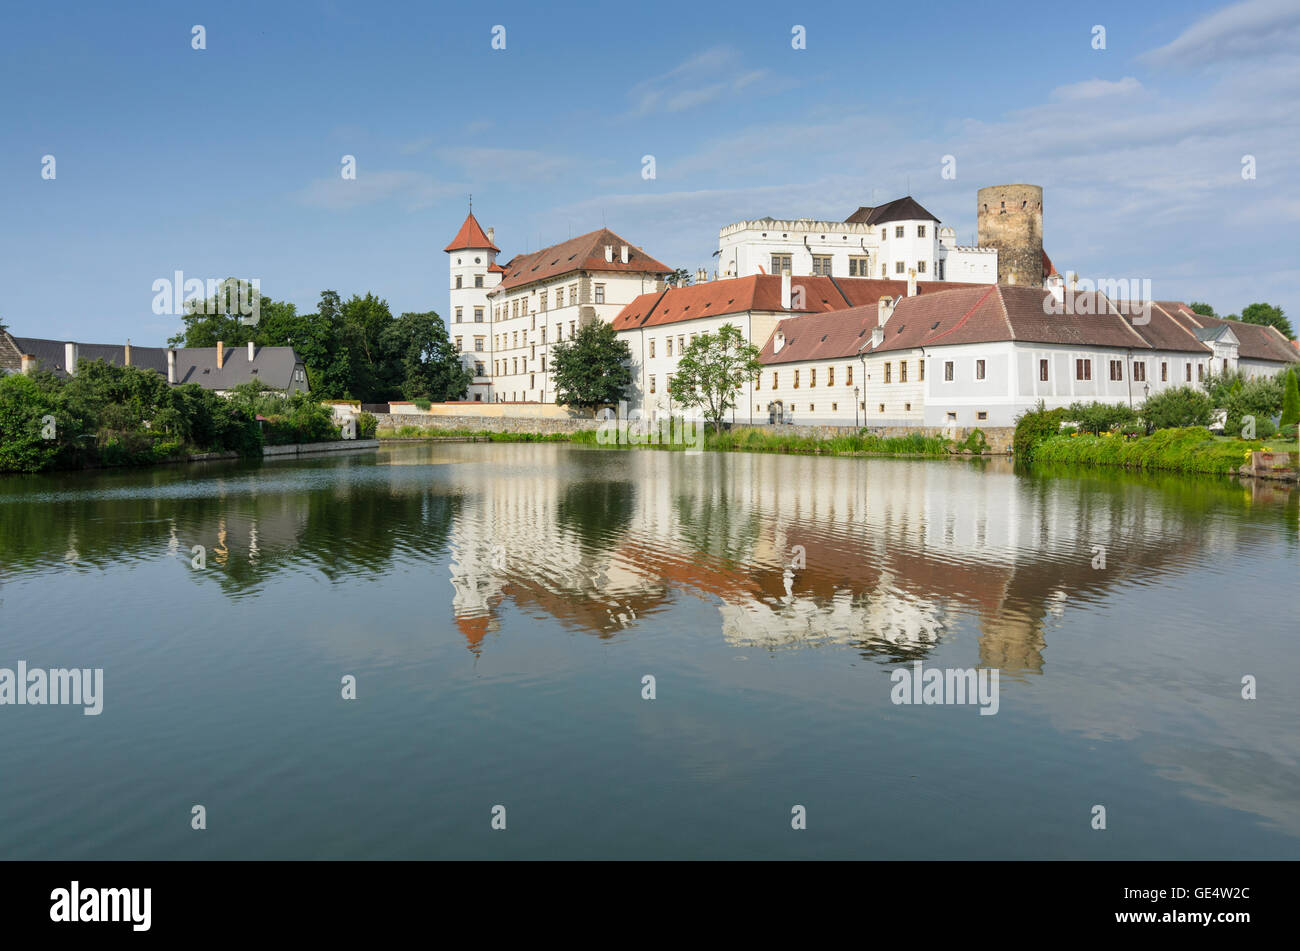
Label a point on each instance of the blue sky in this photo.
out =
(226, 161)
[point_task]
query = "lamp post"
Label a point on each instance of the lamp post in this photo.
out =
(855, 407)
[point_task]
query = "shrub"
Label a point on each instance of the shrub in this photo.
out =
(1291, 399)
(367, 425)
(422, 404)
(1260, 398)
(974, 442)
(1033, 426)
(23, 404)
(1176, 408)
(1097, 417)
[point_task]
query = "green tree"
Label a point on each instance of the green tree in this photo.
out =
(217, 317)
(1266, 315)
(712, 370)
(1291, 400)
(23, 407)
(1205, 310)
(591, 369)
(427, 364)
(679, 278)
(1177, 407)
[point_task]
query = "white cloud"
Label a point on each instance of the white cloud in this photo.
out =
(705, 77)
(1096, 89)
(416, 190)
(1239, 32)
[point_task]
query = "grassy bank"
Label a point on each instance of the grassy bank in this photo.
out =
(1192, 449)
(740, 439)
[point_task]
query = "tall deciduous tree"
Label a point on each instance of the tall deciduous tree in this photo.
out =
(429, 366)
(712, 370)
(1267, 315)
(591, 369)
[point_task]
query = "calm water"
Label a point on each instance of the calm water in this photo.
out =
(499, 606)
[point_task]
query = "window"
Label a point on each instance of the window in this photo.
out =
(822, 264)
(516, 338)
(478, 280)
(478, 315)
(882, 407)
(681, 343)
(572, 333)
(907, 407)
(781, 264)
(543, 363)
(812, 407)
(858, 267)
(652, 383)
(830, 376)
(543, 335)
(796, 379)
(920, 231)
(478, 343)
(652, 347)
(920, 370)
(952, 417)
(459, 282)
(947, 370)
(1083, 369)
(1116, 370)
(459, 314)
(902, 371)
(458, 343)
(1200, 371)
(835, 407)
(1164, 371)
(882, 274)
(532, 381)
(668, 346)
(559, 297)
(542, 301)
(981, 415)
(848, 375)
(898, 231)
(888, 372)
(900, 267)
(600, 293)
(1140, 371)
(1189, 373)
(774, 378)
(478, 368)
(920, 267)
(979, 369)
(1042, 370)
(514, 308)
(758, 382)
(514, 364)
(812, 376)
(573, 293)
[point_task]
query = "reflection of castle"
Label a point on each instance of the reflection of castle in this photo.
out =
(890, 548)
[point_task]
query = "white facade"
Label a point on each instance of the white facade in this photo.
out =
(469, 324)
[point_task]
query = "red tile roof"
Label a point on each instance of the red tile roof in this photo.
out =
(1256, 341)
(583, 253)
(471, 237)
(762, 292)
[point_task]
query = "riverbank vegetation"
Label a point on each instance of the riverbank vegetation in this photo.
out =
(124, 416)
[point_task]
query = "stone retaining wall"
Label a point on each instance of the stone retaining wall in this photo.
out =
(485, 424)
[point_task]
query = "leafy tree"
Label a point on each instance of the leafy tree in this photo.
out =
(1034, 426)
(427, 364)
(679, 278)
(712, 370)
(217, 318)
(1291, 400)
(1176, 408)
(1266, 315)
(591, 369)
(23, 405)
(1205, 310)
(1096, 417)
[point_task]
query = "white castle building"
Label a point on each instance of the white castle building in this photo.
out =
(884, 242)
(505, 318)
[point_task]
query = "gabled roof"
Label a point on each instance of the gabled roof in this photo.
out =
(471, 237)
(583, 253)
(820, 336)
(906, 208)
(1254, 341)
(273, 366)
(761, 292)
(1160, 329)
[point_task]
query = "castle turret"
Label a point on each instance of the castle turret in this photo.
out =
(474, 271)
(1011, 220)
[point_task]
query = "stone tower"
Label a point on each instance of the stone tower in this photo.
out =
(1011, 220)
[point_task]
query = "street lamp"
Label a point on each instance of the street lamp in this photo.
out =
(855, 407)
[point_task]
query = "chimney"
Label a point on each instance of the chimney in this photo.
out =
(622, 252)
(911, 282)
(778, 340)
(1074, 279)
(609, 252)
(884, 309)
(171, 365)
(701, 276)
(29, 363)
(250, 351)
(126, 353)
(1057, 286)
(492, 233)
(70, 359)
(877, 337)
(785, 289)
(221, 353)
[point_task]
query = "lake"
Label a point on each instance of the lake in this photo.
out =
(503, 606)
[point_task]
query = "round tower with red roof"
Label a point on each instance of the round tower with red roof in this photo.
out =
(473, 271)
